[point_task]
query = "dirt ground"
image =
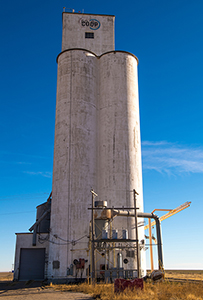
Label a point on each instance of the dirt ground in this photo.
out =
(35, 291)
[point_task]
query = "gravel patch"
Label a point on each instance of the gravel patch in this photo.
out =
(35, 291)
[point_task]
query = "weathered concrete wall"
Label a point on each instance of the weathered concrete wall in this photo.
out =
(97, 145)
(97, 136)
(74, 155)
(75, 25)
(119, 151)
(24, 240)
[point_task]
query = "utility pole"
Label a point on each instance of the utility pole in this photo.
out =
(136, 231)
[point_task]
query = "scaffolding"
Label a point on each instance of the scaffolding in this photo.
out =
(108, 246)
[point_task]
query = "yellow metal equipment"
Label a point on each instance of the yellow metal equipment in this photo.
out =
(170, 213)
(150, 224)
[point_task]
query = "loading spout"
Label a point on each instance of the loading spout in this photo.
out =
(35, 225)
(40, 219)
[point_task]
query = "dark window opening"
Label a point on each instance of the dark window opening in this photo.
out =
(89, 35)
(56, 264)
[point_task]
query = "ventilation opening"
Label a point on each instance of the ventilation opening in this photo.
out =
(89, 35)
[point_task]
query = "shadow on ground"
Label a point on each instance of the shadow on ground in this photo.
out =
(15, 285)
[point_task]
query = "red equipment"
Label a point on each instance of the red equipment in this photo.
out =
(121, 284)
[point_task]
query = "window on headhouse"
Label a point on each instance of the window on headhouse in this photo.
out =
(89, 35)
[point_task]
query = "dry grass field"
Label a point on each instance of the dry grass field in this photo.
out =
(184, 274)
(189, 288)
(159, 291)
(6, 276)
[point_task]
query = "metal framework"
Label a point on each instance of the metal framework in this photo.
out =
(164, 217)
(170, 213)
(110, 244)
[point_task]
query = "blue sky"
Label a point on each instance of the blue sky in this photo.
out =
(167, 38)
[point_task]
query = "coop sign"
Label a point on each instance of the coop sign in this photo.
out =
(91, 24)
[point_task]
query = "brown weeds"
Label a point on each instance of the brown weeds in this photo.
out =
(6, 276)
(159, 291)
(185, 274)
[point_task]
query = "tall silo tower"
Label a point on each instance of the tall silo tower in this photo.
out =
(97, 138)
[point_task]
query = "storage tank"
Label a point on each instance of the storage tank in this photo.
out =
(74, 156)
(44, 225)
(119, 151)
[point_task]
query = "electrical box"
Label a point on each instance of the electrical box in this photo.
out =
(114, 234)
(125, 234)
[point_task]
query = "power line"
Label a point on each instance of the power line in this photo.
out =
(19, 212)
(27, 194)
(24, 196)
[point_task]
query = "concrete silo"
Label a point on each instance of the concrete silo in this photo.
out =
(97, 139)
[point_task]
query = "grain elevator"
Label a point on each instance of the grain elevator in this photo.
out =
(97, 147)
(97, 137)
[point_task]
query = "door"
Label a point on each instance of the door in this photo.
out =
(32, 263)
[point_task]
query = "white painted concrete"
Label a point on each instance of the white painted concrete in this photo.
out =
(24, 240)
(119, 152)
(75, 25)
(97, 139)
(74, 155)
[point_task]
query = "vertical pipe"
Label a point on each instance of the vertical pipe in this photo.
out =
(91, 257)
(136, 231)
(105, 265)
(150, 246)
(90, 253)
(158, 232)
(114, 250)
(34, 237)
(108, 265)
(114, 256)
(92, 242)
(159, 239)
